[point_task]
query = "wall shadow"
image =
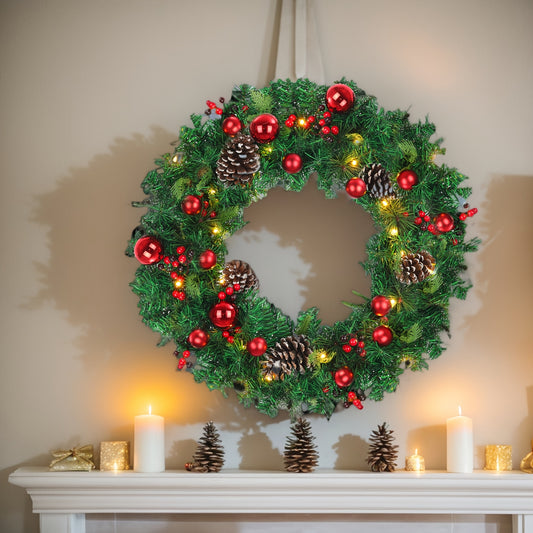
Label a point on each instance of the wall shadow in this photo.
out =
(352, 452)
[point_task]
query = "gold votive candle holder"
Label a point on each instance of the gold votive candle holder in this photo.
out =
(498, 457)
(415, 463)
(115, 455)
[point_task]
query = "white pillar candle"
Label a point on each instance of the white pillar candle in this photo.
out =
(149, 443)
(460, 444)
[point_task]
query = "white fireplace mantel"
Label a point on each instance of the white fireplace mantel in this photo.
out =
(62, 499)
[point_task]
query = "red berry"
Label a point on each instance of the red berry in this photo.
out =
(311, 119)
(186, 353)
(347, 348)
(431, 228)
(421, 213)
(179, 295)
(361, 344)
(353, 341)
(358, 404)
(212, 214)
(462, 216)
(174, 275)
(166, 260)
(225, 334)
(351, 396)
(210, 105)
(237, 287)
(218, 111)
(327, 114)
(289, 123)
(231, 339)
(175, 264)
(325, 390)
(326, 130)
(418, 221)
(405, 214)
(229, 291)
(182, 259)
(221, 295)
(180, 249)
(292, 117)
(321, 122)
(427, 218)
(455, 242)
(334, 130)
(363, 353)
(245, 108)
(181, 363)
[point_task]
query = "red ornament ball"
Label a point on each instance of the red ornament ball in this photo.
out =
(380, 305)
(147, 250)
(231, 125)
(339, 98)
(356, 187)
(343, 376)
(223, 315)
(257, 346)
(444, 222)
(198, 338)
(292, 163)
(382, 335)
(208, 259)
(407, 179)
(264, 128)
(191, 205)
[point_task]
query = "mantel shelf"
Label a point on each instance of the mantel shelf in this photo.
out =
(67, 496)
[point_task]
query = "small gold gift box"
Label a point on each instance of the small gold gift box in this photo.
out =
(498, 457)
(115, 455)
(73, 459)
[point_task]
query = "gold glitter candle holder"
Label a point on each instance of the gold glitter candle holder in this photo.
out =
(415, 463)
(498, 457)
(115, 455)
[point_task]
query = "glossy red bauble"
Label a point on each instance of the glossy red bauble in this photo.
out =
(147, 250)
(339, 98)
(444, 222)
(231, 125)
(343, 376)
(407, 179)
(356, 187)
(380, 305)
(292, 163)
(257, 346)
(223, 315)
(191, 205)
(198, 338)
(264, 128)
(382, 335)
(207, 259)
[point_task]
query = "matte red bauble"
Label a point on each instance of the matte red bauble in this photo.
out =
(198, 338)
(356, 187)
(231, 125)
(382, 335)
(292, 163)
(339, 98)
(380, 305)
(223, 315)
(208, 259)
(191, 205)
(343, 376)
(264, 128)
(444, 222)
(147, 250)
(257, 346)
(407, 179)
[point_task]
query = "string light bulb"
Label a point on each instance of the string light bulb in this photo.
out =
(393, 232)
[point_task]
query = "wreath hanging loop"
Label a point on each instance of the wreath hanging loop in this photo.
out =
(230, 336)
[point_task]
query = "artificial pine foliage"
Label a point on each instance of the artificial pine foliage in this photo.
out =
(382, 453)
(300, 451)
(197, 197)
(209, 455)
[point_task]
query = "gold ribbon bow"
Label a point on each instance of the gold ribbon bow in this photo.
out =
(73, 459)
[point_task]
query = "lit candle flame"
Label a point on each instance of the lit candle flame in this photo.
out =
(416, 451)
(460, 412)
(149, 409)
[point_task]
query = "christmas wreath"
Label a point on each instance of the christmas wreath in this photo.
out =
(229, 335)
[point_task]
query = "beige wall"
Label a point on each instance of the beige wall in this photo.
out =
(91, 92)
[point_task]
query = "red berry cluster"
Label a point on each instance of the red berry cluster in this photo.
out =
(469, 213)
(423, 220)
(353, 399)
(212, 105)
(352, 343)
(182, 361)
(321, 126)
(178, 263)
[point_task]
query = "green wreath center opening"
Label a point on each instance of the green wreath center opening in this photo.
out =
(306, 250)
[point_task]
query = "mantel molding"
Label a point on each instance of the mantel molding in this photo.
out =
(68, 496)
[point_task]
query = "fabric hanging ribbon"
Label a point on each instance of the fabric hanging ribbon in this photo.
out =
(298, 49)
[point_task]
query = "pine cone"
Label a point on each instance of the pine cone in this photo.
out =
(382, 453)
(238, 161)
(209, 455)
(416, 267)
(239, 272)
(290, 354)
(377, 180)
(300, 452)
